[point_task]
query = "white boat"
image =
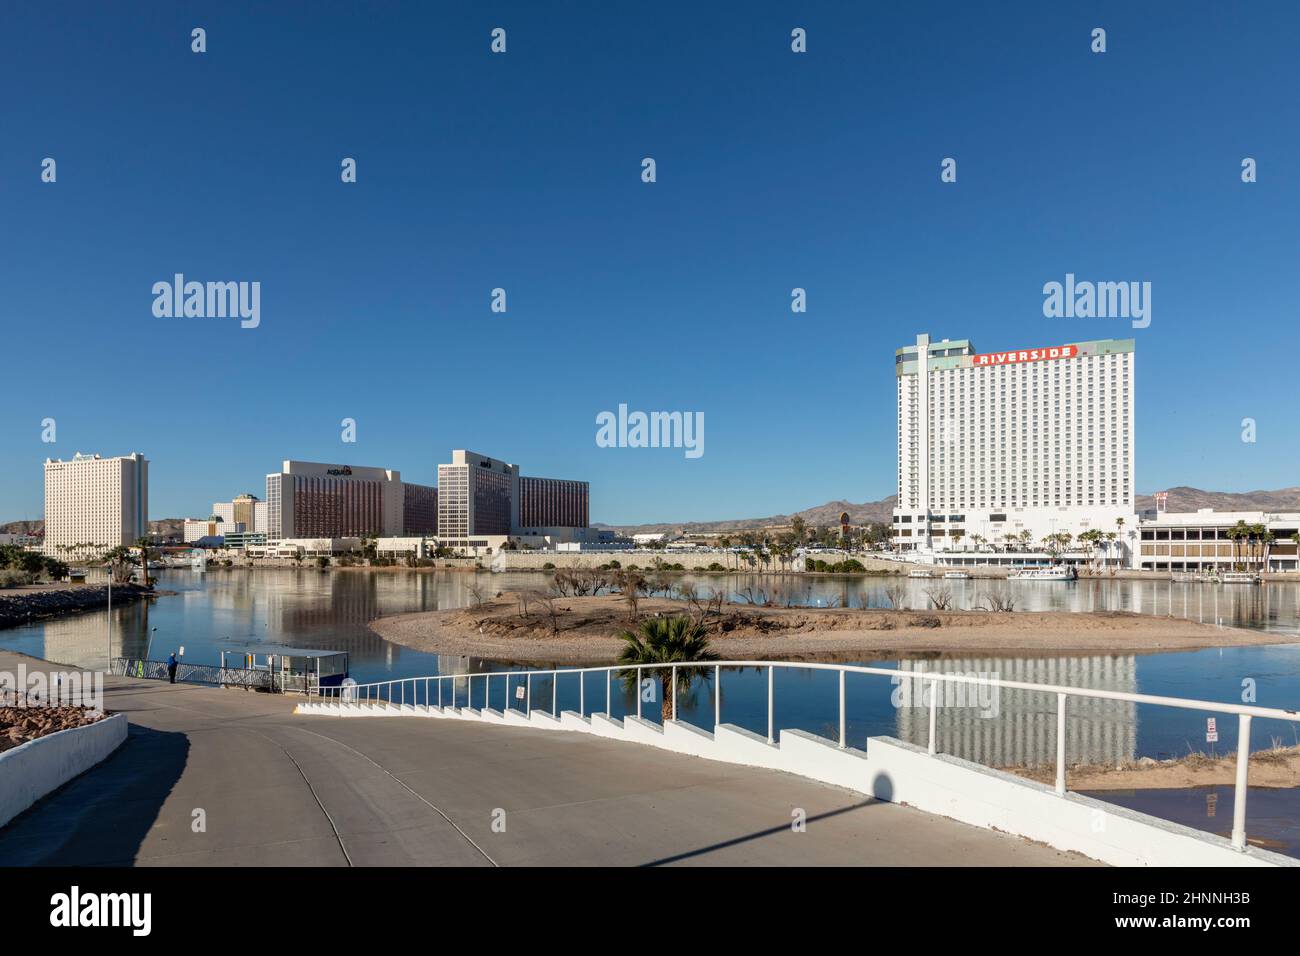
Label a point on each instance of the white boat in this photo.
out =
(919, 573)
(956, 575)
(1057, 572)
(1240, 577)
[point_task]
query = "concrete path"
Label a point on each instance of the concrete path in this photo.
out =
(277, 789)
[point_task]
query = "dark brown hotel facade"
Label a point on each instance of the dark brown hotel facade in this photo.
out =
(553, 503)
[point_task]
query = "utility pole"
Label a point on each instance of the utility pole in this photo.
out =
(110, 618)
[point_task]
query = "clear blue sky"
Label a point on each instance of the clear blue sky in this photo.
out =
(775, 170)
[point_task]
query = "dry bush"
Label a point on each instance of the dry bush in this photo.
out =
(999, 600)
(546, 602)
(940, 597)
(896, 594)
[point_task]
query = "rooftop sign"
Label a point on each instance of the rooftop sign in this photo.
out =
(1025, 355)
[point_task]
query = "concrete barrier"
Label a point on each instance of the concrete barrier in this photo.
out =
(39, 767)
(572, 720)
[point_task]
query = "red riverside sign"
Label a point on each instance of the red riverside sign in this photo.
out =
(1026, 355)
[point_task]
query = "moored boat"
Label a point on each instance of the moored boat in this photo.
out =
(1240, 577)
(1057, 572)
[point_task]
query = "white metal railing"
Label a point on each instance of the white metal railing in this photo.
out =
(394, 692)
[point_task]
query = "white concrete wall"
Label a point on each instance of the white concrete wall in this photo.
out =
(899, 772)
(41, 766)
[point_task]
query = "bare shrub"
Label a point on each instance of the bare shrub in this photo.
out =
(896, 595)
(940, 598)
(630, 584)
(999, 599)
(547, 603)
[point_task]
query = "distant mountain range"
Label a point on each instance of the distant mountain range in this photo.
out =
(1181, 498)
(168, 527)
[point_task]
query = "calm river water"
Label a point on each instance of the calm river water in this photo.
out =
(308, 608)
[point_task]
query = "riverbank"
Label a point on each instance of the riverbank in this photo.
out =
(1276, 767)
(584, 629)
(38, 602)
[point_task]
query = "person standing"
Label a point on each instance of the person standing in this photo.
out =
(171, 668)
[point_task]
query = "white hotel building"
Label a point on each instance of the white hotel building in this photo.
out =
(1024, 443)
(94, 503)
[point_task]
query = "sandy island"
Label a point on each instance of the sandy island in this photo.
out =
(585, 630)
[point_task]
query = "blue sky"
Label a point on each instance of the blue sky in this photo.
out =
(522, 171)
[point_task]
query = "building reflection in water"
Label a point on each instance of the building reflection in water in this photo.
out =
(1018, 728)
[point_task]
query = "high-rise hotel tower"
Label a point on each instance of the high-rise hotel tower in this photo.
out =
(94, 503)
(1024, 443)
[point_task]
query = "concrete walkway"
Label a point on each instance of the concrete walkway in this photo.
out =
(276, 789)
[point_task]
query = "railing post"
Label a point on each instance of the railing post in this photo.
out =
(717, 695)
(582, 693)
(440, 693)
(555, 694)
(842, 734)
(1239, 795)
(1060, 744)
(674, 680)
(638, 693)
(771, 711)
(934, 715)
(528, 698)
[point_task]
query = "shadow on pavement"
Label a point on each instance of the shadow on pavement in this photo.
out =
(100, 818)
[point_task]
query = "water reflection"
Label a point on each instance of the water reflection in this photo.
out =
(223, 610)
(1271, 812)
(1001, 728)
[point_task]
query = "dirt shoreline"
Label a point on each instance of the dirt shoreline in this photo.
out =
(1276, 767)
(499, 630)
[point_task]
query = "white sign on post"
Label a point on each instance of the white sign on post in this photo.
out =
(1211, 731)
(519, 693)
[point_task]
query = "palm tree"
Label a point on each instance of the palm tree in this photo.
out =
(799, 528)
(1266, 539)
(1237, 534)
(666, 640)
(118, 560)
(143, 545)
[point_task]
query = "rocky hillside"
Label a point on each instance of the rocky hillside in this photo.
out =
(1181, 498)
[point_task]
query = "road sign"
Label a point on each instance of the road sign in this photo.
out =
(1211, 731)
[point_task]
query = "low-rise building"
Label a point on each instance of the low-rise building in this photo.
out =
(215, 526)
(1209, 540)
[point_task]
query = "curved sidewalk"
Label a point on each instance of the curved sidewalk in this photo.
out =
(279, 789)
